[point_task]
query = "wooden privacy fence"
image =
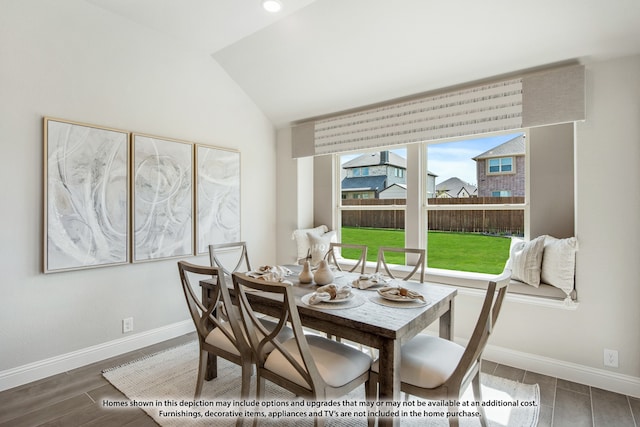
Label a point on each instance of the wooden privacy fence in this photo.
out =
(510, 222)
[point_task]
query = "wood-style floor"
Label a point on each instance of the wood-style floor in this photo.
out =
(73, 398)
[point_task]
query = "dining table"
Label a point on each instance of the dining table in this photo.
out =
(367, 319)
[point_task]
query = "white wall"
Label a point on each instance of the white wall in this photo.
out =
(564, 343)
(69, 59)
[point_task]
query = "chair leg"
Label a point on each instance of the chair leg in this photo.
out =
(247, 372)
(202, 367)
(477, 394)
(371, 395)
(453, 421)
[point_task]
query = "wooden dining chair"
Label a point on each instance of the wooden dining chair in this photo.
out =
(218, 327)
(309, 366)
(417, 267)
(236, 251)
(335, 252)
(436, 368)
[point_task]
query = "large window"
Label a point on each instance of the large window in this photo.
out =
(469, 212)
(478, 204)
(372, 208)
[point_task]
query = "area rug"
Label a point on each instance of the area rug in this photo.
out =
(163, 385)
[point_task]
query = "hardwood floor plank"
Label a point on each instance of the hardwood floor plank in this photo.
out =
(611, 409)
(52, 412)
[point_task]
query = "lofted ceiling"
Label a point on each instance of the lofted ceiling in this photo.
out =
(317, 57)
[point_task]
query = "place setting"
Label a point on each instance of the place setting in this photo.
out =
(333, 296)
(398, 296)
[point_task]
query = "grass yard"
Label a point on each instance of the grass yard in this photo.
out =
(451, 251)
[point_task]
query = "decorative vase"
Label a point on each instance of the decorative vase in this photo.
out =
(323, 275)
(305, 275)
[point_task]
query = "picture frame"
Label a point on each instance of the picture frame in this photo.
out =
(162, 192)
(86, 196)
(217, 196)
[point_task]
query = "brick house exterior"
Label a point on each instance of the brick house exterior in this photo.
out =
(501, 170)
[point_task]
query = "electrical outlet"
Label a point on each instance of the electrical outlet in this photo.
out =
(611, 358)
(127, 325)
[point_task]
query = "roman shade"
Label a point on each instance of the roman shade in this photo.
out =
(537, 99)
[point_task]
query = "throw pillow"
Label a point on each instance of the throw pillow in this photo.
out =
(320, 245)
(559, 262)
(525, 261)
(302, 241)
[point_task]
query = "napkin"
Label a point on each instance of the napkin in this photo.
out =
(392, 290)
(276, 273)
(366, 281)
(330, 292)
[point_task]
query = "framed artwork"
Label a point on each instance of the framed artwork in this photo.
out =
(162, 172)
(217, 197)
(86, 196)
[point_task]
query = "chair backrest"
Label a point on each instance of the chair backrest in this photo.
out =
(496, 291)
(206, 318)
(332, 258)
(230, 250)
(263, 341)
(418, 266)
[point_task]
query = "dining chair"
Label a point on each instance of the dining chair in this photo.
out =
(218, 327)
(418, 266)
(335, 251)
(436, 368)
(309, 366)
(230, 250)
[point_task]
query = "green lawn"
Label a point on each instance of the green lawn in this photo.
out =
(451, 251)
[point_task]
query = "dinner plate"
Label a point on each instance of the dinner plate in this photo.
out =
(397, 298)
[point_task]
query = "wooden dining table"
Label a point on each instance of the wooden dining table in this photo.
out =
(372, 323)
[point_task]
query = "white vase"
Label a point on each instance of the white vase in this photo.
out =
(323, 275)
(305, 275)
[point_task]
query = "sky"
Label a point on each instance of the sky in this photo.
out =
(454, 159)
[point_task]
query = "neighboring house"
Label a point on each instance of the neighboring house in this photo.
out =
(455, 188)
(379, 176)
(500, 171)
(394, 191)
(369, 174)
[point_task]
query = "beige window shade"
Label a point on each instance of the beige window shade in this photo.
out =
(550, 97)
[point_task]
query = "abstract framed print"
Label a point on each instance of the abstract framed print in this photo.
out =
(162, 173)
(86, 196)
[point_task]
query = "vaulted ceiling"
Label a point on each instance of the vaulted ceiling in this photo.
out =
(316, 57)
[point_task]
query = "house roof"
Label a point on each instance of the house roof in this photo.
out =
(513, 147)
(453, 187)
(373, 159)
(364, 183)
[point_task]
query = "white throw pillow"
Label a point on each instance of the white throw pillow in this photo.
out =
(320, 245)
(559, 262)
(302, 240)
(525, 260)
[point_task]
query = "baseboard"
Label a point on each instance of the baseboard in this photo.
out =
(600, 378)
(44, 368)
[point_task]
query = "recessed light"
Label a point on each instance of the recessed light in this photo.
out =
(272, 6)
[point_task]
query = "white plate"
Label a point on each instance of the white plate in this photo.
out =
(397, 298)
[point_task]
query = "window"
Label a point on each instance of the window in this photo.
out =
(500, 165)
(479, 202)
(369, 214)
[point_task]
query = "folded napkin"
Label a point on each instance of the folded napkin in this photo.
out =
(366, 281)
(330, 292)
(275, 273)
(404, 292)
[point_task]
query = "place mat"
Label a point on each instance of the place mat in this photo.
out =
(171, 375)
(398, 304)
(352, 302)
